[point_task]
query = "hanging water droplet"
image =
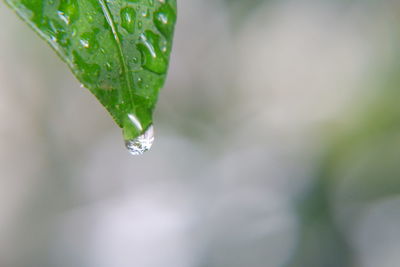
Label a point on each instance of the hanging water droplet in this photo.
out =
(141, 144)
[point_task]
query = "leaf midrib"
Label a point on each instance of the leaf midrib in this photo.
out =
(111, 23)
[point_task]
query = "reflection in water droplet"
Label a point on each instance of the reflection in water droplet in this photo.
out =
(141, 144)
(88, 40)
(135, 121)
(68, 11)
(84, 43)
(108, 66)
(63, 17)
(163, 18)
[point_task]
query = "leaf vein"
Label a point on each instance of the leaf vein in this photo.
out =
(111, 23)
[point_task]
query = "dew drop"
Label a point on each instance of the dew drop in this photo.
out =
(68, 11)
(145, 13)
(63, 17)
(152, 57)
(164, 19)
(108, 66)
(142, 143)
(128, 17)
(85, 43)
(88, 40)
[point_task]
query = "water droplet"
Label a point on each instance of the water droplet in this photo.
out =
(164, 19)
(164, 46)
(139, 82)
(63, 17)
(57, 32)
(108, 66)
(142, 143)
(152, 56)
(88, 40)
(85, 43)
(128, 16)
(68, 11)
(145, 14)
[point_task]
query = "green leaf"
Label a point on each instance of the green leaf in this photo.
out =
(118, 49)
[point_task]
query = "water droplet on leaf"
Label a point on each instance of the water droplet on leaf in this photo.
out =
(108, 66)
(164, 19)
(68, 11)
(152, 56)
(128, 17)
(142, 143)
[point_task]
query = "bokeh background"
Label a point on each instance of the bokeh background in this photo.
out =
(277, 145)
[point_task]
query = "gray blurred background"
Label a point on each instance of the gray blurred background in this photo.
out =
(277, 145)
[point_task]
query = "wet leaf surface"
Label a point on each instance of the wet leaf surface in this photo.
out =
(117, 49)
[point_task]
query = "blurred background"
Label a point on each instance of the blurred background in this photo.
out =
(277, 145)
